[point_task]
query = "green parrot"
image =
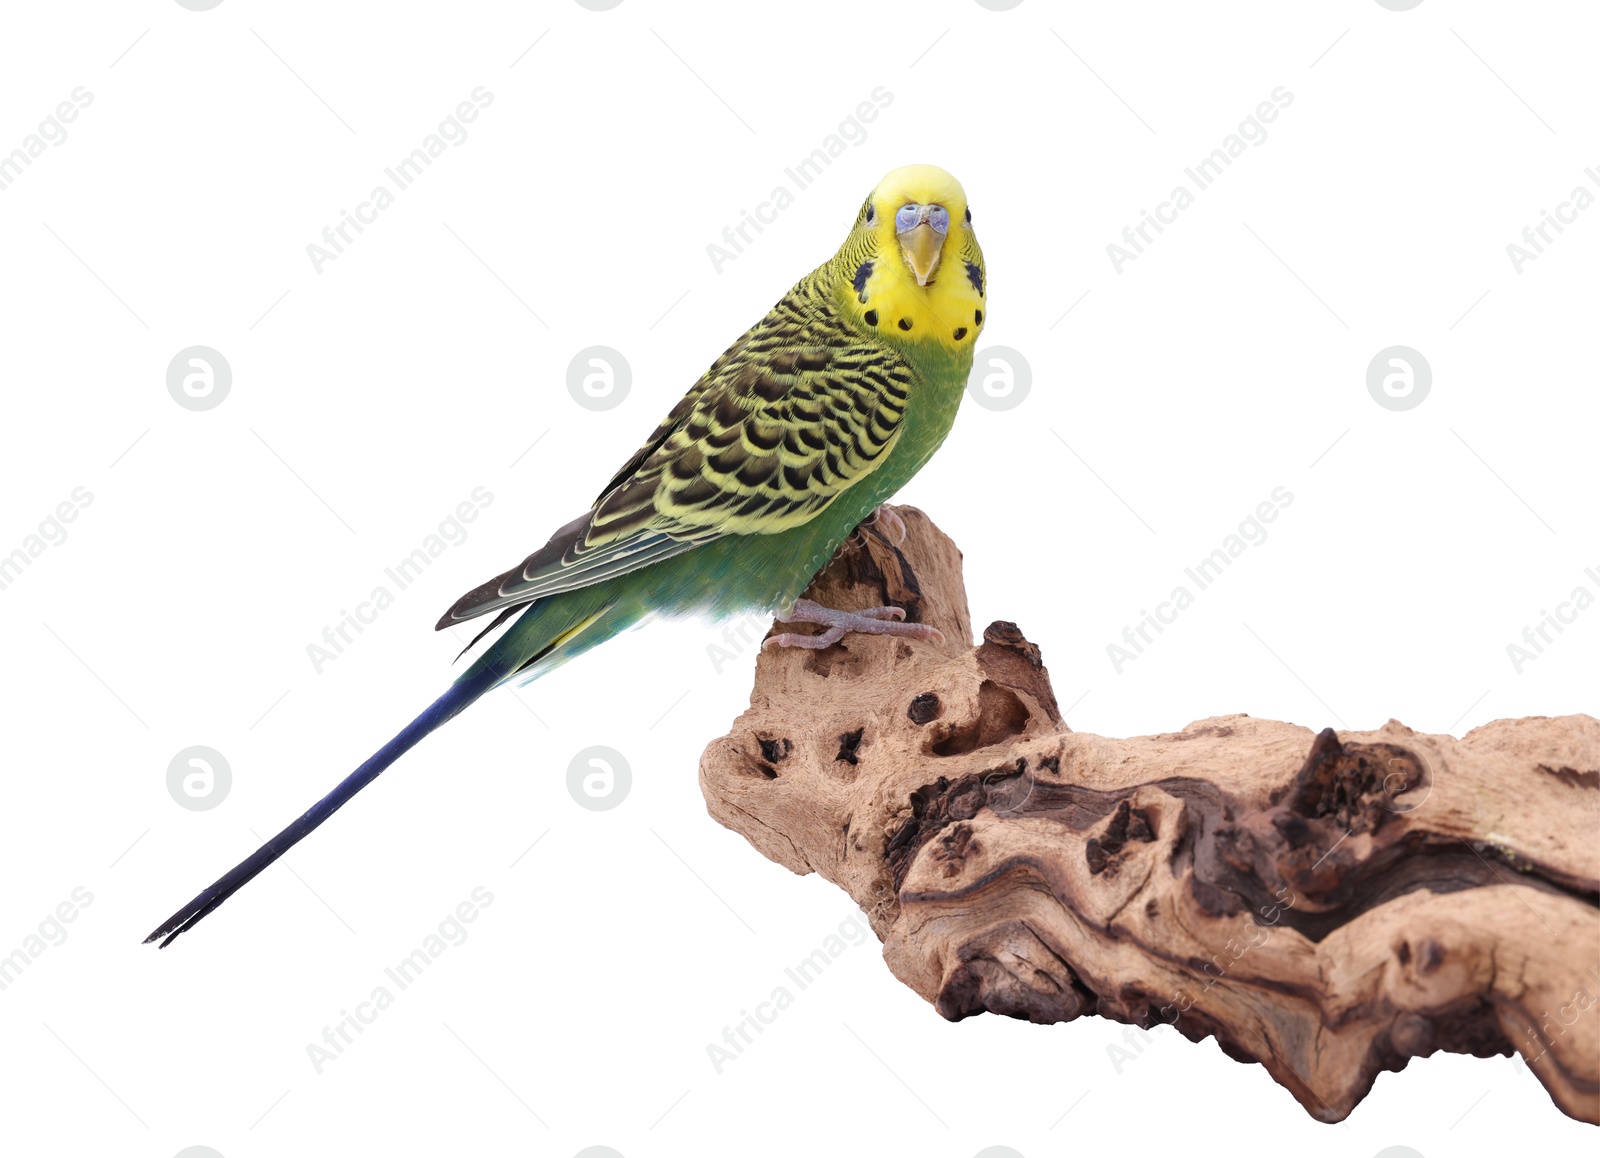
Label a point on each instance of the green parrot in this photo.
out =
(796, 434)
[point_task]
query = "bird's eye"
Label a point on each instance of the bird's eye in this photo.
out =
(906, 218)
(872, 214)
(969, 215)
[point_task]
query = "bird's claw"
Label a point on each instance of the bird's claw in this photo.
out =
(814, 642)
(868, 621)
(890, 521)
(895, 613)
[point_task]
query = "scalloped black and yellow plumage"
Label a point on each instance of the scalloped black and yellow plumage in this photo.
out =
(817, 414)
(807, 404)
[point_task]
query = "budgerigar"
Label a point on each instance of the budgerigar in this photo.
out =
(793, 437)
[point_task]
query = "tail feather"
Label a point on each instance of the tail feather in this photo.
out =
(473, 684)
(548, 633)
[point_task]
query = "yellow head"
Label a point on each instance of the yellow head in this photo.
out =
(911, 268)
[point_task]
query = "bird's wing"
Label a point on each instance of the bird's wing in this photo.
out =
(793, 414)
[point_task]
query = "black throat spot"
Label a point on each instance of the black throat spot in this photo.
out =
(975, 276)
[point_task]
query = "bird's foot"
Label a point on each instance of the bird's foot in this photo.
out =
(870, 621)
(886, 518)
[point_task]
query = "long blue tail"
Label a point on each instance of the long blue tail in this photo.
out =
(472, 684)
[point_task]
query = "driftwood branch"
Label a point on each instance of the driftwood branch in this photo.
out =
(1327, 904)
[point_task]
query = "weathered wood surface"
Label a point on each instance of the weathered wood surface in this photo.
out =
(1329, 905)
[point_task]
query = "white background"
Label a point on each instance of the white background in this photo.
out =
(1227, 360)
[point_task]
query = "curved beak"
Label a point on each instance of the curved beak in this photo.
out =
(922, 244)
